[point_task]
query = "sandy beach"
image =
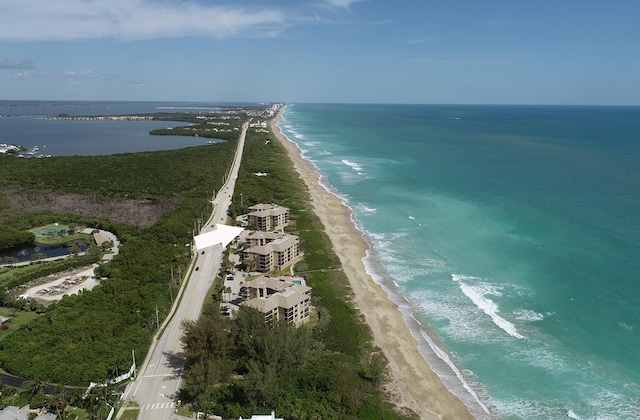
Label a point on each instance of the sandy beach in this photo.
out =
(413, 384)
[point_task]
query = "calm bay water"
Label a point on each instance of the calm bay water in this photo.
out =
(25, 124)
(513, 233)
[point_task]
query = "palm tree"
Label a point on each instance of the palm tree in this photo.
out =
(97, 401)
(11, 261)
(58, 402)
(32, 386)
(73, 247)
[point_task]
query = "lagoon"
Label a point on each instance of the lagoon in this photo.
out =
(26, 124)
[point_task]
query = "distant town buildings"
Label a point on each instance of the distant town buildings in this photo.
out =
(103, 117)
(259, 126)
(8, 148)
(283, 298)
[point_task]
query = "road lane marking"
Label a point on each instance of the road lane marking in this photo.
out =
(158, 406)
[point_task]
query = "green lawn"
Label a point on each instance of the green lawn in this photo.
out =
(130, 414)
(45, 240)
(21, 318)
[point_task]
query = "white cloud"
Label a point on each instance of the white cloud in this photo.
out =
(131, 20)
(72, 76)
(462, 62)
(428, 40)
(342, 3)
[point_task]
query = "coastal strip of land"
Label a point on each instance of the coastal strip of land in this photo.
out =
(413, 384)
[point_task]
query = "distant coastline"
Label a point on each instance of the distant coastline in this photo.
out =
(103, 117)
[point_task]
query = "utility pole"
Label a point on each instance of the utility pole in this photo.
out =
(157, 318)
(133, 354)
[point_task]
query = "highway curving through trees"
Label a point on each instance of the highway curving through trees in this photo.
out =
(157, 384)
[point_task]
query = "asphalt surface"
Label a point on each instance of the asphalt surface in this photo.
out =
(158, 381)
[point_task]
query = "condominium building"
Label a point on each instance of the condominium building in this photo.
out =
(270, 250)
(283, 298)
(268, 217)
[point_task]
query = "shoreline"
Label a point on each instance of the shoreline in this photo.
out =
(413, 384)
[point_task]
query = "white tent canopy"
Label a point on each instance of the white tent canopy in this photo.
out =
(219, 234)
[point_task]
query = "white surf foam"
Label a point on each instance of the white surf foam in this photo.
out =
(625, 326)
(542, 357)
(364, 210)
(446, 359)
(528, 315)
(478, 294)
(355, 166)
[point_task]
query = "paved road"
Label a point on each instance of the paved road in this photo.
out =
(158, 382)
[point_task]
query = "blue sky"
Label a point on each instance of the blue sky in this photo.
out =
(361, 51)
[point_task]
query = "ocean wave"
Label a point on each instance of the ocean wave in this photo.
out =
(358, 168)
(449, 315)
(388, 236)
(403, 274)
(443, 355)
(384, 243)
(625, 326)
(519, 408)
(364, 210)
(478, 294)
(541, 356)
(528, 315)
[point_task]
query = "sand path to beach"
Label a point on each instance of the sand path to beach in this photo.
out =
(414, 384)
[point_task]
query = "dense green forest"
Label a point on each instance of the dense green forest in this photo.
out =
(10, 236)
(89, 337)
(329, 369)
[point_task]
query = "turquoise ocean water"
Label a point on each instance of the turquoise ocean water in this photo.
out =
(509, 237)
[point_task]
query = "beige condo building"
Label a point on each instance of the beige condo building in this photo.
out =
(283, 298)
(267, 217)
(271, 250)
